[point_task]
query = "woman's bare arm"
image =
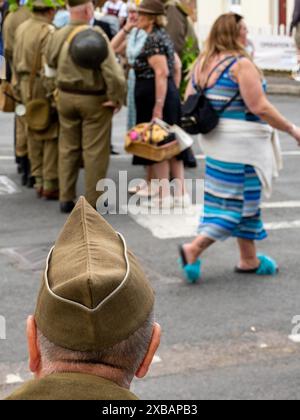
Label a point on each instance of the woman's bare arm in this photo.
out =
(256, 100)
(177, 71)
(160, 66)
(118, 41)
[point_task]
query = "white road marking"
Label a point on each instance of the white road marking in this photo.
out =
(286, 153)
(282, 205)
(174, 226)
(7, 157)
(157, 359)
(283, 225)
(7, 186)
(291, 153)
(263, 346)
(295, 338)
(13, 379)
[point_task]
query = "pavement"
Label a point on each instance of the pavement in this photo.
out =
(283, 85)
(229, 337)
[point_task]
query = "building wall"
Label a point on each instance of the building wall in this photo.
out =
(256, 12)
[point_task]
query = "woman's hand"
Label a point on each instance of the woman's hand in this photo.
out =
(157, 112)
(295, 133)
(130, 24)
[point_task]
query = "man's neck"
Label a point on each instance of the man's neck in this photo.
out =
(109, 373)
(78, 17)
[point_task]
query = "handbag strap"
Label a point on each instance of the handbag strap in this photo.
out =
(197, 86)
(223, 72)
(227, 105)
(201, 90)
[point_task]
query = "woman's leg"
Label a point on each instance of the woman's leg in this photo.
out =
(177, 171)
(196, 248)
(162, 174)
(248, 254)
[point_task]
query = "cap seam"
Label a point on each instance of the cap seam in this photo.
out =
(85, 308)
(86, 237)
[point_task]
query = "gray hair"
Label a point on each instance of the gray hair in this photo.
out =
(126, 356)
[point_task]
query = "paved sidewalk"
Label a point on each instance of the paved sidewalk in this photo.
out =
(280, 85)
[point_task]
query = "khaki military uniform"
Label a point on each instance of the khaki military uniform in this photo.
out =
(94, 295)
(180, 26)
(10, 26)
(43, 146)
(72, 387)
(85, 124)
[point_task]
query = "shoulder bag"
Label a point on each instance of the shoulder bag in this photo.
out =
(198, 115)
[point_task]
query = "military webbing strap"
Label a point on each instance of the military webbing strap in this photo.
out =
(75, 32)
(36, 66)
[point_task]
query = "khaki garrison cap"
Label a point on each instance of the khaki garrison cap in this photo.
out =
(74, 3)
(94, 293)
(44, 4)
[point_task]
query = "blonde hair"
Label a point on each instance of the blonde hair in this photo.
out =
(161, 21)
(224, 38)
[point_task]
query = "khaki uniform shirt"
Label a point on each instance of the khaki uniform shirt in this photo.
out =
(72, 387)
(31, 36)
(10, 26)
(28, 58)
(110, 76)
(179, 26)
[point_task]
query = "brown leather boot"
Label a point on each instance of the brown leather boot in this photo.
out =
(51, 195)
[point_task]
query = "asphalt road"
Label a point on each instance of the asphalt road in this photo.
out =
(227, 338)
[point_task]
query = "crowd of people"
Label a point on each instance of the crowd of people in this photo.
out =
(93, 329)
(79, 100)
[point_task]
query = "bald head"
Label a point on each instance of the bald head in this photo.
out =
(84, 12)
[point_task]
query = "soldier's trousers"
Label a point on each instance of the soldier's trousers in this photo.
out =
(85, 129)
(42, 146)
(21, 137)
(44, 159)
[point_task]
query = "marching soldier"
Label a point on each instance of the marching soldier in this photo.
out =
(13, 20)
(30, 41)
(91, 85)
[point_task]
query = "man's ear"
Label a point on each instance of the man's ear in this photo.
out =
(33, 348)
(155, 342)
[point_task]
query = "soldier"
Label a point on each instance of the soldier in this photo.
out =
(88, 95)
(13, 20)
(30, 41)
(180, 27)
(93, 328)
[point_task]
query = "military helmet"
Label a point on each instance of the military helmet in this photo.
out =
(89, 49)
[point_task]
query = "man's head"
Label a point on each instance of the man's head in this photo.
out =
(94, 313)
(120, 363)
(81, 10)
(45, 8)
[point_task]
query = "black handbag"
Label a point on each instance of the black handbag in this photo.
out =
(198, 115)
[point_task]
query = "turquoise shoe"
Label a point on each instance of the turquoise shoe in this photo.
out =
(192, 272)
(268, 267)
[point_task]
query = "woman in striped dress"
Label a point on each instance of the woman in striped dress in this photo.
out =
(238, 152)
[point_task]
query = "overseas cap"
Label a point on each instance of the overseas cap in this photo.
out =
(74, 3)
(44, 4)
(94, 293)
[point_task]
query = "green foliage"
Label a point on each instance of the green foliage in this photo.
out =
(13, 5)
(189, 56)
(50, 3)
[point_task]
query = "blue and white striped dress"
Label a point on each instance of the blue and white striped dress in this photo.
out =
(233, 191)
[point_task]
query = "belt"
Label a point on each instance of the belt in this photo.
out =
(83, 92)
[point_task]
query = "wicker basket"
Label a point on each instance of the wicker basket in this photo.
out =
(152, 144)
